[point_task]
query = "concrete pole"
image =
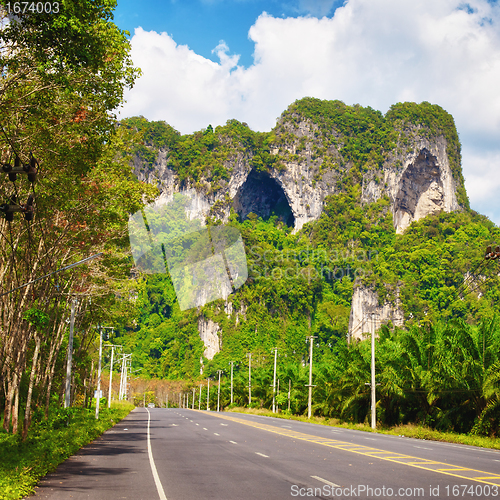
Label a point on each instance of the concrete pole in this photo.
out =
(218, 392)
(194, 390)
(309, 399)
(120, 394)
(99, 376)
(231, 363)
(166, 404)
(274, 380)
(289, 390)
(373, 395)
(111, 376)
(125, 376)
(208, 395)
(67, 396)
(199, 402)
(249, 378)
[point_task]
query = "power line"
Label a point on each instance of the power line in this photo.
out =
(54, 272)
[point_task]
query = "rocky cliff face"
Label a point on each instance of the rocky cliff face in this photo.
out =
(415, 175)
(209, 333)
(418, 181)
(311, 157)
(368, 315)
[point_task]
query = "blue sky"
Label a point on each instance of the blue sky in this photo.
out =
(207, 61)
(203, 24)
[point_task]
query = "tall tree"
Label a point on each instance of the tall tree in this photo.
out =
(63, 75)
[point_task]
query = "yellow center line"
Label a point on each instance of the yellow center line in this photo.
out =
(419, 463)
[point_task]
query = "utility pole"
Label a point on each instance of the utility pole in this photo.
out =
(249, 355)
(274, 380)
(67, 396)
(194, 389)
(166, 403)
(120, 392)
(98, 395)
(199, 403)
(208, 394)
(289, 390)
(231, 363)
(218, 392)
(123, 377)
(309, 398)
(111, 376)
(373, 395)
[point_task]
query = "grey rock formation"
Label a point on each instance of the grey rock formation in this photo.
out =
(416, 177)
(209, 333)
(365, 302)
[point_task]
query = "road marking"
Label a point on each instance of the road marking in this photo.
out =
(216, 434)
(158, 484)
(175, 425)
(325, 481)
(205, 429)
(234, 442)
(373, 439)
(422, 448)
(261, 454)
(399, 458)
(197, 424)
(225, 425)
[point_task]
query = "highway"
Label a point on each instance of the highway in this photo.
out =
(181, 454)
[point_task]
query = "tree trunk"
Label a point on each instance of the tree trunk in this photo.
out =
(15, 412)
(9, 396)
(27, 413)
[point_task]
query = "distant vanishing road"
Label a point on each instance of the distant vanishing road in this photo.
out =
(180, 454)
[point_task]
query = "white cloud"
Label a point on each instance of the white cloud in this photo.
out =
(482, 181)
(372, 52)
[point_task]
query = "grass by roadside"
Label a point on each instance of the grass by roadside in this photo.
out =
(409, 430)
(48, 444)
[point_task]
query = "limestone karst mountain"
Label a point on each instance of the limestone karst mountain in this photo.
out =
(320, 160)
(412, 155)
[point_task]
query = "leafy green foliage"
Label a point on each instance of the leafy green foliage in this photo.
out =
(49, 442)
(301, 284)
(365, 134)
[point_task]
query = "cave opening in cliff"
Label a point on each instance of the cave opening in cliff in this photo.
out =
(262, 195)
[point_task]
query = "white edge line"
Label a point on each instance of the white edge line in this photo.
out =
(159, 486)
(326, 482)
(234, 442)
(261, 454)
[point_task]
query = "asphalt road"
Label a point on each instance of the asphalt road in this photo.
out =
(181, 454)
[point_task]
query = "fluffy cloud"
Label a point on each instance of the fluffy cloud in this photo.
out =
(372, 52)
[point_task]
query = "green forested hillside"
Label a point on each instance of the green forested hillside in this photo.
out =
(301, 284)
